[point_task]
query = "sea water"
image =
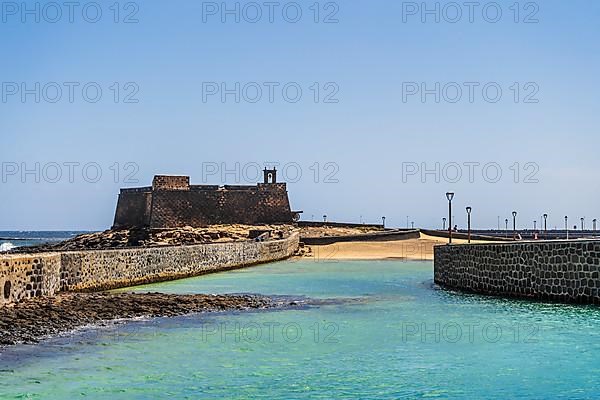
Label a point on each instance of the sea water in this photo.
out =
(379, 330)
(11, 239)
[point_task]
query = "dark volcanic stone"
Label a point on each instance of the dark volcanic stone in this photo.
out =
(31, 320)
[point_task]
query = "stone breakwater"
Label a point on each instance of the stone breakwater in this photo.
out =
(25, 276)
(30, 321)
(564, 271)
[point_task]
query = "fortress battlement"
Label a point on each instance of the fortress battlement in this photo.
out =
(172, 202)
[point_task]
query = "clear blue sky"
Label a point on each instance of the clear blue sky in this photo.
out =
(375, 129)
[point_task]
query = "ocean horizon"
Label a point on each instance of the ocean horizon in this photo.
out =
(13, 239)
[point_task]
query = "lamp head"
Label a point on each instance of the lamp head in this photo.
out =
(545, 216)
(469, 209)
(450, 196)
(514, 214)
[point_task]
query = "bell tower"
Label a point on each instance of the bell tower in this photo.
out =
(270, 175)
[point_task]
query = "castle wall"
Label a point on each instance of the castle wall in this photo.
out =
(273, 203)
(163, 182)
(46, 274)
(174, 203)
(565, 271)
(133, 208)
(229, 205)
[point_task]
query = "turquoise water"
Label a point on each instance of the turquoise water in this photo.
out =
(383, 333)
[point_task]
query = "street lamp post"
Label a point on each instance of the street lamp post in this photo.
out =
(506, 227)
(450, 196)
(324, 218)
(594, 223)
(545, 226)
(469, 209)
(383, 220)
(567, 225)
(444, 223)
(535, 225)
(582, 223)
(514, 214)
(412, 224)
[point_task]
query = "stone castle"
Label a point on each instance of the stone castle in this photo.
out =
(172, 202)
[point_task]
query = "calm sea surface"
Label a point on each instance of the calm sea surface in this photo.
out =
(381, 332)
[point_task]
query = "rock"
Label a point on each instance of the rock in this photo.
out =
(29, 321)
(145, 237)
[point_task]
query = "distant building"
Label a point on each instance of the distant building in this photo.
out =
(172, 202)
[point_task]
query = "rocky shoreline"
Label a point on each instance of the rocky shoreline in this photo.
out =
(147, 237)
(30, 321)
